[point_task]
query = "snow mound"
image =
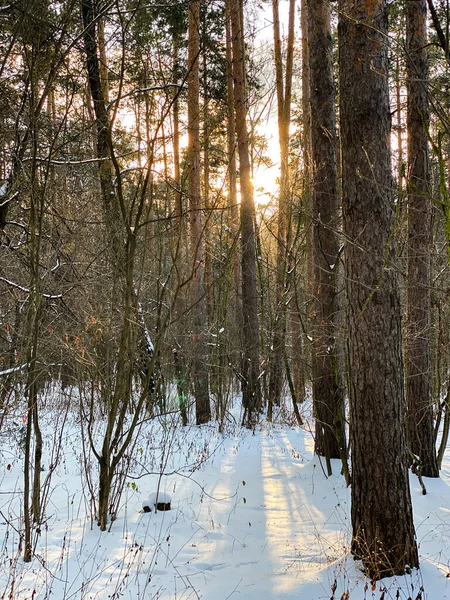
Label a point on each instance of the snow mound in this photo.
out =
(160, 500)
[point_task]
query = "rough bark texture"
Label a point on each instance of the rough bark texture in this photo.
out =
(418, 382)
(199, 349)
(251, 398)
(328, 394)
(383, 531)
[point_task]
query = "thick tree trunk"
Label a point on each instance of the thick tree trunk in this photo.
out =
(252, 399)
(328, 393)
(199, 348)
(383, 530)
(418, 381)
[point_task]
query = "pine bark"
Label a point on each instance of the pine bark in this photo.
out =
(381, 513)
(418, 381)
(328, 393)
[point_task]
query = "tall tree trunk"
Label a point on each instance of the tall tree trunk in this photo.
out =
(199, 348)
(33, 329)
(103, 62)
(252, 400)
(307, 187)
(102, 137)
(328, 393)
(399, 124)
(300, 348)
(178, 236)
(231, 153)
(206, 192)
(284, 93)
(418, 381)
(382, 524)
(176, 136)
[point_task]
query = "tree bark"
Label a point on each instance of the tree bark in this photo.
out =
(199, 348)
(103, 62)
(251, 399)
(418, 341)
(102, 137)
(328, 393)
(382, 524)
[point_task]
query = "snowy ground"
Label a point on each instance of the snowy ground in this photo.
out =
(253, 517)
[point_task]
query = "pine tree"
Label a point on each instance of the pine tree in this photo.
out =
(328, 393)
(418, 365)
(381, 512)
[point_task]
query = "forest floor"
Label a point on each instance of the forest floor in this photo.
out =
(253, 517)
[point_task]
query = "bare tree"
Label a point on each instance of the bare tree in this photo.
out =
(123, 221)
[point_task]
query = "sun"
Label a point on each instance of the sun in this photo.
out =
(265, 184)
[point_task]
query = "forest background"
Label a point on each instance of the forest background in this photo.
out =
(153, 264)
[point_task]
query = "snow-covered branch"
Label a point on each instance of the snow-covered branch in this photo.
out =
(26, 290)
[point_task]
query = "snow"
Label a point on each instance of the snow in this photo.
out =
(24, 289)
(253, 517)
(148, 340)
(12, 369)
(157, 498)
